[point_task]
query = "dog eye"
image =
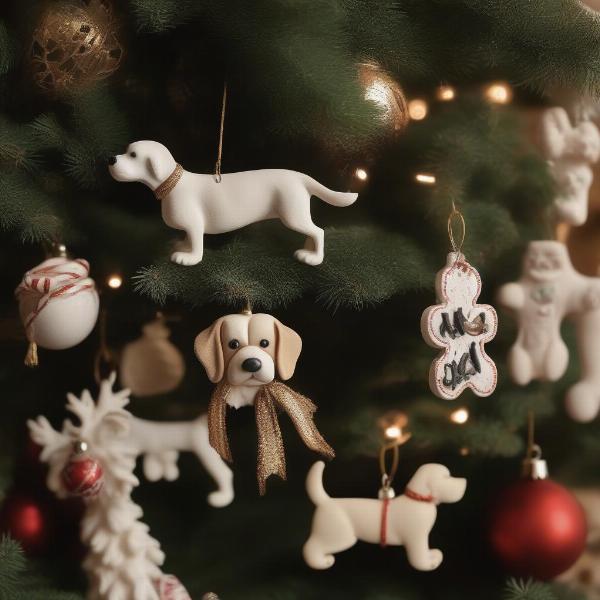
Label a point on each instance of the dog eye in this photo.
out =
(264, 343)
(234, 344)
(132, 154)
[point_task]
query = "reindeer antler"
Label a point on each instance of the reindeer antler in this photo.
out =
(45, 435)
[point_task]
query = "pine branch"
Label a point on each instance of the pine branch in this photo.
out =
(7, 49)
(363, 266)
(12, 567)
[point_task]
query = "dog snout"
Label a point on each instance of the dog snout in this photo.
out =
(252, 365)
(111, 160)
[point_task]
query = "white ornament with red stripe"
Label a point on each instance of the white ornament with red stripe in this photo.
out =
(405, 520)
(58, 304)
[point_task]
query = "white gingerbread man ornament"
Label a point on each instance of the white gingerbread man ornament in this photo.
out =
(460, 327)
(550, 289)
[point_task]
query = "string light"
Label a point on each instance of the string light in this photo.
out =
(425, 178)
(417, 109)
(361, 174)
(460, 416)
(445, 93)
(115, 282)
(498, 93)
(393, 432)
(464, 451)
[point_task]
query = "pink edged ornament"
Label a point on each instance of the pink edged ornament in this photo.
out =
(168, 587)
(58, 305)
(461, 328)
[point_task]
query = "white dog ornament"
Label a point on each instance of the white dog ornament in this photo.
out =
(198, 204)
(406, 520)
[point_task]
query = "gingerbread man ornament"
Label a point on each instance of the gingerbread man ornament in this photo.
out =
(460, 327)
(549, 290)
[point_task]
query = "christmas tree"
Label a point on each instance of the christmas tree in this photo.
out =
(430, 112)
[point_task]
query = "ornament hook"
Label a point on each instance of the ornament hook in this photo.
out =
(456, 214)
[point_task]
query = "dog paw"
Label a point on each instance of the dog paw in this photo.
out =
(435, 558)
(308, 257)
(220, 498)
(186, 258)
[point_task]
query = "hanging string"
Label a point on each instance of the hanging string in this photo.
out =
(104, 355)
(456, 214)
(220, 150)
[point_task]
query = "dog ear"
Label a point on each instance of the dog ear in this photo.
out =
(154, 167)
(209, 350)
(289, 346)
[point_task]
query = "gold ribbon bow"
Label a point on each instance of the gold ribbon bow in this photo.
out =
(271, 452)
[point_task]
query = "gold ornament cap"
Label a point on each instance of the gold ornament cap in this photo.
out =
(534, 466)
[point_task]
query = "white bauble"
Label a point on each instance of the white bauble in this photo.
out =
(58, 303)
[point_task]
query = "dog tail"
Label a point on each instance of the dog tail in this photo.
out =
(314, 484)
(330, 196)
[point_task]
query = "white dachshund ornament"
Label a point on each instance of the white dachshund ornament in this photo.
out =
(570, 150)
(406, 520)
(199, 204)
(460, 327)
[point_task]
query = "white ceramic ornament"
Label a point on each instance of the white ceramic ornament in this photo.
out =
(161, 443)
(570, 150)
(58, 303)
(338, 523)
(549, 290)
(123, 560)
(199, 204)
(460, 327)
(151, 365)
(241, 354)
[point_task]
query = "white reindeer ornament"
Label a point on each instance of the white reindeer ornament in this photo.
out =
(123, 560)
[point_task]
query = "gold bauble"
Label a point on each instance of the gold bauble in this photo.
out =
(383, 91)
(74, 45)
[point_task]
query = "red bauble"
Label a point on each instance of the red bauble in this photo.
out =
(537, 528)
(83, 476)
(25, 519)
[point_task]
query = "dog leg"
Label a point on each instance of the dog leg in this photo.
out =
(216, 467)
(195, 243)
(161, 464)
(314, 248)
(420, 556)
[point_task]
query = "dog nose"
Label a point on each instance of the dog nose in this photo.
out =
(252, 365)
(112, 160)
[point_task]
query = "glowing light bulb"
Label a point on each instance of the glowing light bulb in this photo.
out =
(464, 451)
(361, 174)
(425, 178)
(115, 282)
(393, 432)
(459, 416)
(445, 93)
(498, 93)
(417, 109)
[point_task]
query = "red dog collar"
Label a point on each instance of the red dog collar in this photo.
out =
(418, 497)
